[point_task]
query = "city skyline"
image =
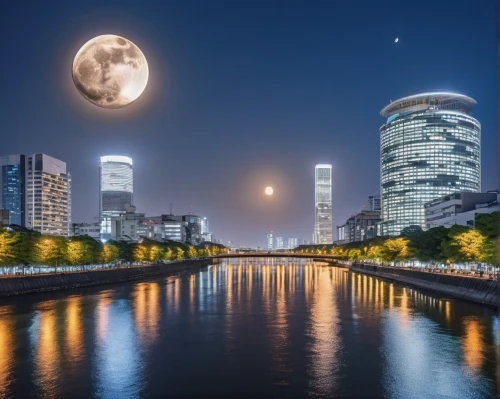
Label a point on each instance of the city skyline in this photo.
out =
(208, 138)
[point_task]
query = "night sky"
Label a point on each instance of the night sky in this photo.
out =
(241, 95)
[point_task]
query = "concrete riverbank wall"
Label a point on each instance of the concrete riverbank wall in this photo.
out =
(42, 283)
(473, 289)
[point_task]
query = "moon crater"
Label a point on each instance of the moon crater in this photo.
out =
(110, 71)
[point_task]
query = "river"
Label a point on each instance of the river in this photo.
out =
(249, 328)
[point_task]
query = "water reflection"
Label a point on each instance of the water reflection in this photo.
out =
(7, 345)
(324, 330)
(279, 327)
(47, 351)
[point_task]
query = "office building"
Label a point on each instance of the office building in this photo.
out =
(460, 208)
(323, 233)
(375, 203)
(86, 229)
(193, 229)
(279, 243)
(270, 244)
(4, 217)
(430, 147)
(204, 225)
(359, 227)
(48, 195)
(293, 243)
(13, 186)
(116, 186)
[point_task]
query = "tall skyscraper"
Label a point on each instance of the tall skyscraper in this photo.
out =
(430, 147)
(116, 189)
(48, 195)
(270, 244)
(279, 243)
(323, 228)
(13, 186)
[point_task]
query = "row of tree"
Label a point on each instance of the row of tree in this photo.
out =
(458, 244)
(30, 248)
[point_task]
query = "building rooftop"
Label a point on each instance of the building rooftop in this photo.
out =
(437, 100)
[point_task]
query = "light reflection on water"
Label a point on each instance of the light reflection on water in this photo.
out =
(276, 327)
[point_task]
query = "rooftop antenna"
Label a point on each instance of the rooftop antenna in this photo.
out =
(171, 209)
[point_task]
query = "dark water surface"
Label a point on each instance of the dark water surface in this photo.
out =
(249, 328)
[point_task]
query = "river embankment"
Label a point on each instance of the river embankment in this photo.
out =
(480, 290)
(63, 281)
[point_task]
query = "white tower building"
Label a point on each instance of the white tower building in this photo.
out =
(323, 230)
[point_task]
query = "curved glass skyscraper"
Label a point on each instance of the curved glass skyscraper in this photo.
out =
(430, 146)
(116, 189)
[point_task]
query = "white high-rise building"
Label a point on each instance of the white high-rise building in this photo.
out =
(48, 195)
(323, 229)
(430, 147)
(116, 189)
(270, 244)
(293, 243)
(279, 243)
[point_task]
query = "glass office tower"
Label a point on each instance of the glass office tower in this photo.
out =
(323, 229)
(116, 189)
(430, 146)
(12, 184)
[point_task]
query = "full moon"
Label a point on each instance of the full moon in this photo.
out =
(269, 190)
(110, 71)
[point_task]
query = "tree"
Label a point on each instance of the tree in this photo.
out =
(168, 254)
(490, 251)
(470, 245)
(411, 231)
(191, 252)
(155, 253)
(76, 252)
(7, 251)
(140, 253)
(109, 253)
(179, 254)
(375, 252)
(396, 249)
(427, 246)
(51, 251)
(488, 223)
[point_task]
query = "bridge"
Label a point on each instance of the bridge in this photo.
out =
(315, 257)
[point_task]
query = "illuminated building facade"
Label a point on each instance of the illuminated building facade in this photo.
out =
(430, 147)
(12, 184)
(48, 195)
(116, 189)
(323, 228)
(270, 243)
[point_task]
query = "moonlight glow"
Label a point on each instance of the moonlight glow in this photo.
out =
(269, 190)
(110, 71)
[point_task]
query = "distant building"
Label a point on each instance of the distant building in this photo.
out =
(116, 187)
(193, 229)
(459, 208)
(359, 227)
(4, 217)
(206, 237)
(375, 203)
(86, 229)
(279, 243)
(293, 243)
(204, 225)
(125, 226)
(270, 244)
(430, 147)
(323, 229)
